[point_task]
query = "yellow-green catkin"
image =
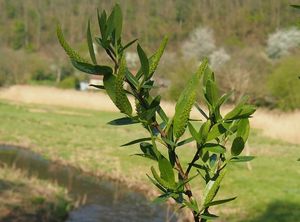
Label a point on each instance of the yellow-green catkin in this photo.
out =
(186, 101)
(70, 52)
(122, 101)
(154, 60)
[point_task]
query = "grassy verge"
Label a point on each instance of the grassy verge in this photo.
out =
(24, 199)
(268, 192)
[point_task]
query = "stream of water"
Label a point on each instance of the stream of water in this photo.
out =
(100, 200)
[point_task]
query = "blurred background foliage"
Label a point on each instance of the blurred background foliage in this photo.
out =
(252, 45)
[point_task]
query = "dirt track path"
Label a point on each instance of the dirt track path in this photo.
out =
(285, 126)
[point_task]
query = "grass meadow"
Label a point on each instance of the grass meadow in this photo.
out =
(268, 190)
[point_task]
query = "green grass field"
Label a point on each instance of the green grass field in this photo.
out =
(268, 192)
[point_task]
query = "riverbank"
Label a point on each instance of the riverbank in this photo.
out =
(81, 138)
(25, 199)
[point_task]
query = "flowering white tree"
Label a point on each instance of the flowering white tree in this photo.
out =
(218, 58)
(201, 43)
(282, 41)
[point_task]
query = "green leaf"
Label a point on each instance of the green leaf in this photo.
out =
(156, 184)
(208, 216)
(208, 74)
(214, 148)
(237, 159)
(216, 131)
(212, 94)
(162, 114)
(90, 43)
(192, 205)
(166, 171)
(171, 143)
(70, 52)
(137, 141)
(204, 130)
(243, 129)
(143, 59)
(162, 198)
(236, 110)
(186, 100)
(110, 25)
(122, 121)
(186, 141)
(102, 23)
(212, 187)
(295, 6)
(246, 112)
(182, 183)
(149, 150)
(240, 111)
(237, 146)
(218, 202)
(129, 44)
(97, 86)
(131, 79)
(223, 99)
(242, 135)
(92, 69)
(198, 166)
(118, 21)
(161, 181)
(194, 133)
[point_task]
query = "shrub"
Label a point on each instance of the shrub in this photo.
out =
(282, 41)
(212, 154)
(284, 85)
(70, 82)
(200, 44)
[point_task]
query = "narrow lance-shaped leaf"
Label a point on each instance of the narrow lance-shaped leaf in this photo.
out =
(166, 171)
(137, 141)
(242, 134)
(161, 181)
(214, 148)
(156, 184)
(110, 25)
(218, 202)
(186, 100)
(92, 69)
(118, 21)
(131, 79)
(123, 121)
(143, 59)
(216, 131)
(102, 23)
(90, 43)
(194, 133)
(122, 101)
(211, 188)
(204, 130)
(149, 150)
(211, 93)
(129, 44)
(237, 159)
(295, 6)
(240, 111)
